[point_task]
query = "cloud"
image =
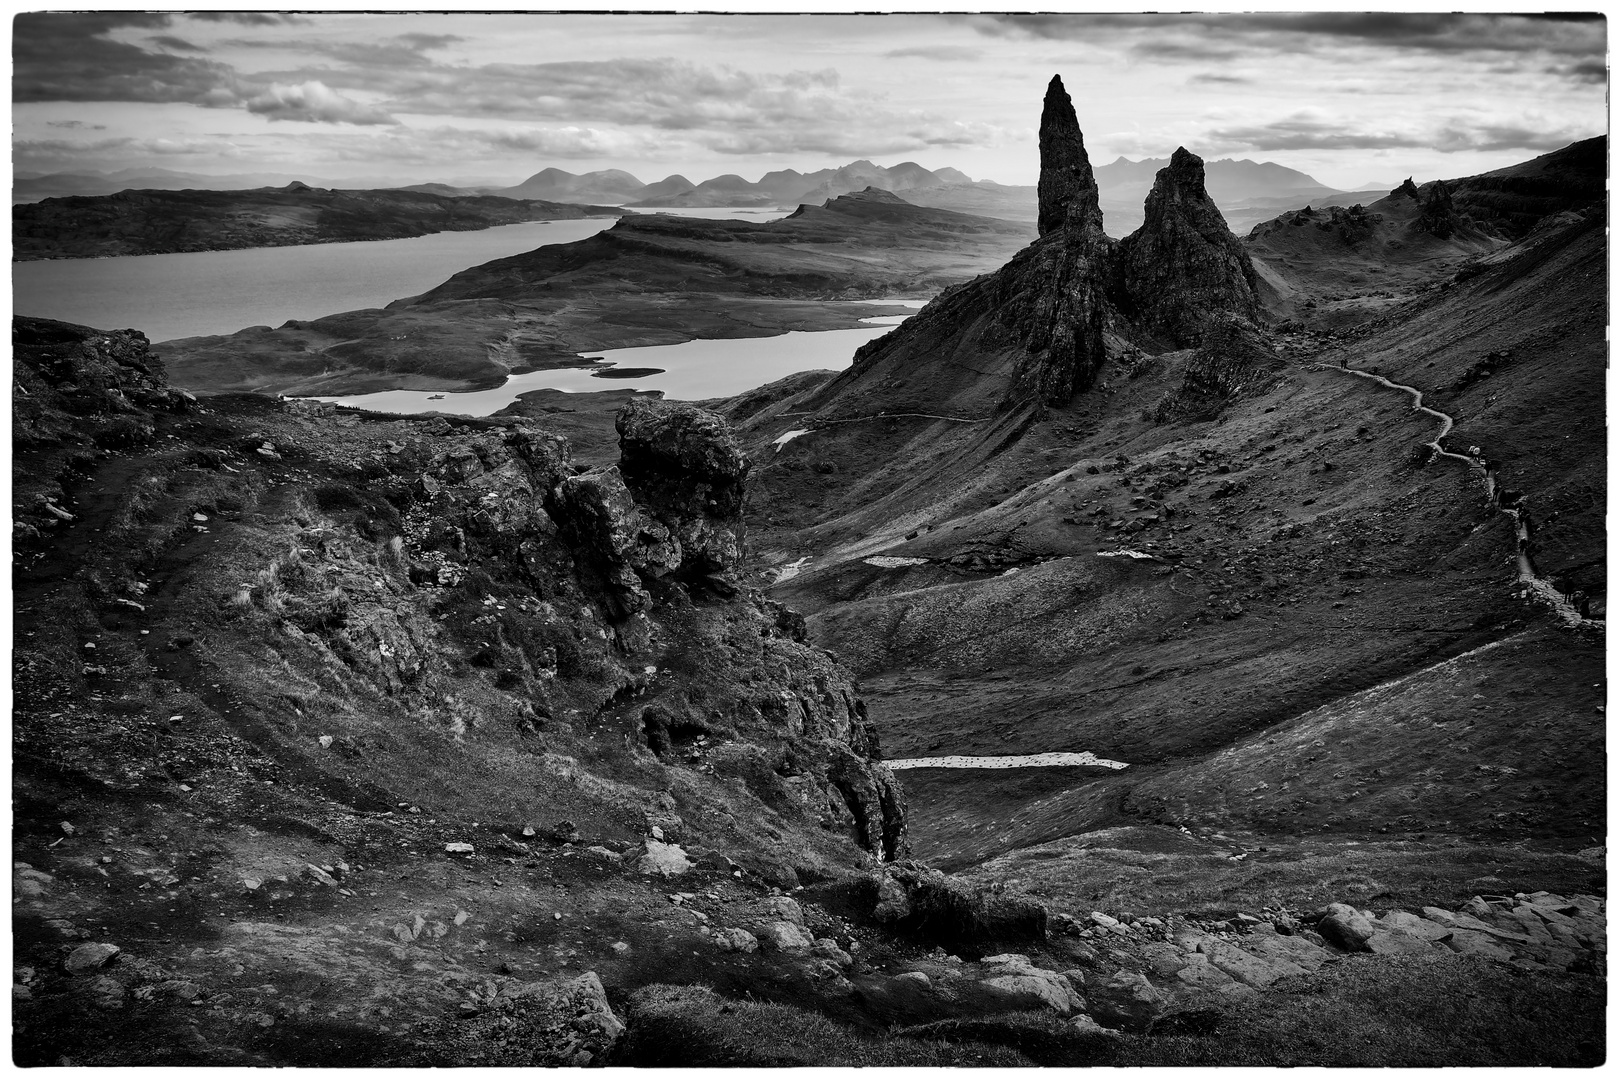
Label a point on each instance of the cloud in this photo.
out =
(1591, 71)
(944, 53)
(178, 44)
(1219, 80)
(68, 57)
(80, 124)
(245, 18)
(424, 42)
(314, 101)
(1305, 131)
(1440, 33)
(208, 146)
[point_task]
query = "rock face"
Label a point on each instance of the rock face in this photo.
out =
(1032, 330)
(1183, 265)
(685, 466)
(1068, 195)
(1438, 214)
(1408, 189)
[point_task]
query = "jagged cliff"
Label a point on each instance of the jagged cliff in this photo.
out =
(462, 578)
(1031, 333)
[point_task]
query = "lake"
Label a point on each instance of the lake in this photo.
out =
(189, 294)
(689, 371)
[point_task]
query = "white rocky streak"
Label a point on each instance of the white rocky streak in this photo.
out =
(1007, 761)
(791, 570)
(787, 437)
(891, 562)
(1125, 552)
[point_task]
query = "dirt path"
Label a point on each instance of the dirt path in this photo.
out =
(1534, 585)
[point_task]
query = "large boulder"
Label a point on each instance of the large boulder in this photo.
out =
(1345, 927)
(1126, 1000)
(1183, 268)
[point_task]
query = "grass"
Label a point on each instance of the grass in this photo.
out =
(1405, 1011)
(693, 1027)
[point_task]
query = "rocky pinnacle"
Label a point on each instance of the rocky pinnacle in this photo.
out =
(1068, 195)
(1183, 269)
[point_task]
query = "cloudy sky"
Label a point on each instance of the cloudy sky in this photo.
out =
(1348, 98)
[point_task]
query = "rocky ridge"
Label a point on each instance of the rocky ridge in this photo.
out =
(1034, 328)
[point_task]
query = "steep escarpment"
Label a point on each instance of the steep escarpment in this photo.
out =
(1183, 266)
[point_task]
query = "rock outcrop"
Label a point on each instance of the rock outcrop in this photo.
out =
(1067, 189)
(1438, 214)
(1183, 266)
(1408, 189)
(1031, 332)
(685, 466)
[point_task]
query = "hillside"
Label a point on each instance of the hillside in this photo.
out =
(1232, 566)
(650, 280)
(1330, 265)
(644, 734)
(153, 222)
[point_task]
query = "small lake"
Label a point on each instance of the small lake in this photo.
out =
(189, 294)
(689, 371)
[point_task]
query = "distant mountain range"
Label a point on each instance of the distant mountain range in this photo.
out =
(1247, 192)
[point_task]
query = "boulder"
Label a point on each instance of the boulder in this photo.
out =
(785, 908)
(664, 860)
(1404, 921)
(1052, 990)
(1202, 975)
(734, 939)
(1126, 1000)
(1474, 943)
(1289, 948)
(1345, 927)
(827, 949)
(787, 937)
(89, 957)
(1396, 942)
(1245, 967)
(574, 1010)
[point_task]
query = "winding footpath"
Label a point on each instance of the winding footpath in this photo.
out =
(1534, 585)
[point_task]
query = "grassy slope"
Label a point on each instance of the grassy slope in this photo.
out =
(1348, 578)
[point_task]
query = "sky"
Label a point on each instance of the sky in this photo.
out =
(1351, 99)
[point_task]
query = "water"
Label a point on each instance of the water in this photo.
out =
(220, 292)
(689, 371)
(189, 294)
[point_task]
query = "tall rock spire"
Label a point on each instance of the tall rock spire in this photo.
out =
(1067, 184)
(1183, 270)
